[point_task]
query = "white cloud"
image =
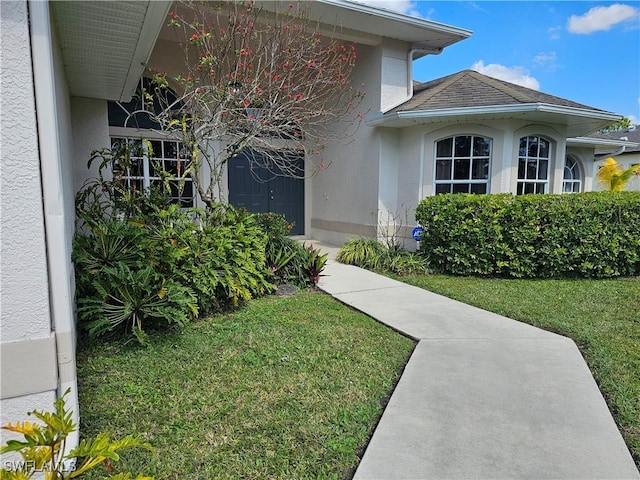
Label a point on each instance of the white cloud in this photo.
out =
(407, 7)
(601, 18)
(546, 58)
(554, 32)
(633, 119)
(518, 75)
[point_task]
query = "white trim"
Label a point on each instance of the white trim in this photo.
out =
(157, 12)
(380, 118)
(398, 17)
(58, 256)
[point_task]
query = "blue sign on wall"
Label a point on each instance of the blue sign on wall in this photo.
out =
(416, 233)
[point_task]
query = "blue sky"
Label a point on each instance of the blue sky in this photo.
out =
(586, 51)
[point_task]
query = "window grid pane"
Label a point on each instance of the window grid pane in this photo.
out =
(462, 164)
(156, 156)
(533, 165)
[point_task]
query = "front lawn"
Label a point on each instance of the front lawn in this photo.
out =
(601, 316)
(286, 388)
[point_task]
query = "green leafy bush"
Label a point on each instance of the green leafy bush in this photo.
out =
(142, 261)
(373, 255)
(594, 234)
(289, 261)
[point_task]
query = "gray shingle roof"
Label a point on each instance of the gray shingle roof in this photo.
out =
(472, 89)
(631, 136)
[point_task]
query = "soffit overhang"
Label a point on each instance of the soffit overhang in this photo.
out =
(105, 45)
(368, 25)
(577, 121)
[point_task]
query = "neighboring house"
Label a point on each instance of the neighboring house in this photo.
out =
(627, 156)
(63, 62)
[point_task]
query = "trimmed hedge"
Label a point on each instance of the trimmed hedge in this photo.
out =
(595, 234)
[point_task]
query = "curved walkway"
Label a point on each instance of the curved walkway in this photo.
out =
(483, 396)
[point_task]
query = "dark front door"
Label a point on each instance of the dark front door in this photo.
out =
(257, 185)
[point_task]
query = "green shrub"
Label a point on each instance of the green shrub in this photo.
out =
(142, 261)
(289, 261)
(593, 234)
(362, 253)
(373, 255)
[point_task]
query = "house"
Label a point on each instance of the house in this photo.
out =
(627, 156)
(66, 64)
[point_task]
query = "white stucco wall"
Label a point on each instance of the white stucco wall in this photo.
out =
(24, 285)
(90, 125)
(394, 73)
(345, 194)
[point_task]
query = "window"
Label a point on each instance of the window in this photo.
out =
(533, 165)
(149, 159)
(572, 182)
(153, 157)
(462, 164)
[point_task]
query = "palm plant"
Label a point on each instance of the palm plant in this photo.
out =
(613, 177)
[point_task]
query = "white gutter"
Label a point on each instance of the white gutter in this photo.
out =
(58, 254)
(412, 52)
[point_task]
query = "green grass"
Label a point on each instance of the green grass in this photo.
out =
(282, 388)
(601, 316)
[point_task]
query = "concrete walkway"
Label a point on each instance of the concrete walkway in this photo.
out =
(483, 396)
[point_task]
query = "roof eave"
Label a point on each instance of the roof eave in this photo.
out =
(396, 25)
(599, 142)
(569, 115)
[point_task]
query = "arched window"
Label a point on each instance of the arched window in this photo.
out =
(533, 165)
(462, 164)
(158, 154)
(572, 181)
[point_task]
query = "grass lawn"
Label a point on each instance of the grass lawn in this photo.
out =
(282, 388)
(601, 316)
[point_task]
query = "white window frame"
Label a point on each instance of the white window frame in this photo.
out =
(136, 135)
(575, 179)
(470, 181)
(540, 185)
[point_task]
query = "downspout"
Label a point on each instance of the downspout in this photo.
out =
(58, 254)
(412, 52)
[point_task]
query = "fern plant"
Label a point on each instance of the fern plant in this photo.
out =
(43, 448)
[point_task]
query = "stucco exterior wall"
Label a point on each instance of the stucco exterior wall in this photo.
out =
(394, 73)
(24, 284)
(90, 125)
(345, 194)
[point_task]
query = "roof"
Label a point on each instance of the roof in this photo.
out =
(631, 135)
(469, 95)
(472, 89)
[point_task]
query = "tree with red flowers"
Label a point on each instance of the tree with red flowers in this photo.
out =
(257, 80)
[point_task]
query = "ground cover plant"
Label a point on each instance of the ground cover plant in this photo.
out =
(284, 387)
(601, 316)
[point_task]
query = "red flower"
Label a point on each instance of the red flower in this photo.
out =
(246, 102)
(173, 15)
(195, 37)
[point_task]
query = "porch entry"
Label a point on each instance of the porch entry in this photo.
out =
(255, 183)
